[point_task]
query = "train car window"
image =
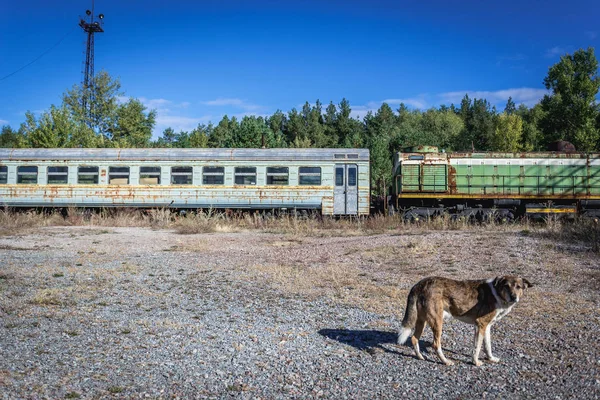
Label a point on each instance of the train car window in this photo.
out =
(3, 174)
(309, 175)
(58, 175)
(213, 175)
(339, 176)
(118, 175)
(27, 175)
(245, 175)
(351, 176)
(181, 175)
(87, 175)
(277, 175)
(149, 175)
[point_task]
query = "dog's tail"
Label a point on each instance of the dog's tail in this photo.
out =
(410, 318)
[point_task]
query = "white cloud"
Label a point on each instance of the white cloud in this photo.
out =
(591, 35)
(556, 51)
(3, 122)
(418, 102)
(239, 116)
(233, 102)
(361, 111)
(178, 123)
(155, 103)
(163, 105)
(178, 116)
(527, 96)
(168, 114)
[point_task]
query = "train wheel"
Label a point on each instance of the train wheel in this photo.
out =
(594, 217)
(505, 218)
(413, 217)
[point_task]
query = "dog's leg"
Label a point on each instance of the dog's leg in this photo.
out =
(488, 345)
(436, 327)
(477, 344)
(415, 338)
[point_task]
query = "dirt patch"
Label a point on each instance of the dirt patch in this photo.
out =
(136, 311)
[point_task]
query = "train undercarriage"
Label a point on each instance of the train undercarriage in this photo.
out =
(498, 210)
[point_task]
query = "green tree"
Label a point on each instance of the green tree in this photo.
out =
(408, 131)
(182, 140)
(251, 133)
(104, 93)
(508, 134)
(40, 133)
(278, 124)
(510, 107)
(199, 136)
(441, 128)
(315, 126)
(479, 119)
(532, 138)
(224, 133)
(12, 139)
(297, 130)
(133, 127)
(380, 128)
(51, 130)
(349, 130)
(330, 130)
(571, 110)
(168, 138)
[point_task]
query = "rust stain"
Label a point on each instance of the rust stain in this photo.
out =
(452, 179)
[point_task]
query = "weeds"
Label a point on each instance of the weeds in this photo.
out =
(48, 297)
(579, 232)
(12, 222)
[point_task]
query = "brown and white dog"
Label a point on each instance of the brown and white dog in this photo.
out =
(478, 302)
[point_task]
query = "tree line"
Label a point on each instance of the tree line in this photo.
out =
(568, 112)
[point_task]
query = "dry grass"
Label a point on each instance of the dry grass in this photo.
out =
(53, 297)
(337, 282)
(581, 232)
(12, 222)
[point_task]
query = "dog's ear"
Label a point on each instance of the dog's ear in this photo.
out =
(499, 281)
(527, 283)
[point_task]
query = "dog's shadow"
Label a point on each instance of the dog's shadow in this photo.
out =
(373, 341)
(370, 341)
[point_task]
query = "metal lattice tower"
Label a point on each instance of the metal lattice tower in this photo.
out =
(90, 28)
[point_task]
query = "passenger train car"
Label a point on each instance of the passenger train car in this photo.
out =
(332, 181)
(504, 185)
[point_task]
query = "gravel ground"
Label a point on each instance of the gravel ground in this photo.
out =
(139, 313)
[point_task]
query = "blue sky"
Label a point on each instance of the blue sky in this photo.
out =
(195, 61)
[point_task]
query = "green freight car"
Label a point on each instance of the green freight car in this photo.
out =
(484, 185)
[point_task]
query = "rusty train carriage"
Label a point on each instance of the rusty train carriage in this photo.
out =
(428, 183)
(333, 181)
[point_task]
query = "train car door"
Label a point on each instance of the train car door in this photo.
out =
(345, 192)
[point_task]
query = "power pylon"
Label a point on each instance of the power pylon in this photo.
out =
(90, 28)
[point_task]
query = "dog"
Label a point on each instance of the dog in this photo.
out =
(478, 302)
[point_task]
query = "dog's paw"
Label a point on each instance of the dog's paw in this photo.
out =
(477, 363)
(494, 359)
(449, 363)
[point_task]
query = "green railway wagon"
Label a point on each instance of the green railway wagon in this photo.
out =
(483, 184)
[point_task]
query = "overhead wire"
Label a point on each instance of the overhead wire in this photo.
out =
(40, 56)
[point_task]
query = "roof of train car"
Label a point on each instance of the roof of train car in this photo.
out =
(196, 154)
(496, 154)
